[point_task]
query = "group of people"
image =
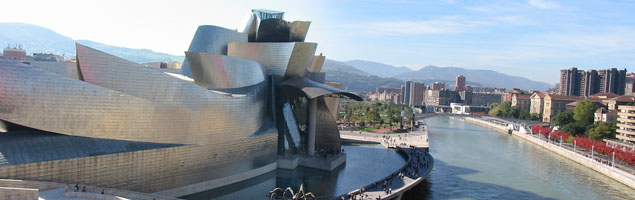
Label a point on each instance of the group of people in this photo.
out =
(418, 161)
(76, 188)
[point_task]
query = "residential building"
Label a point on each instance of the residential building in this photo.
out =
(555, 104)
(615, 102)
(626, 124)
(604, 115)
(537, 103)
(388, 90)
(630, 85)
(460, 83)
(484, 99)
(15, 53)
(441, 97)
(417, 91)
(521, 101)
(466, 97)
(437, 86)
(574, 82)
(629, 89)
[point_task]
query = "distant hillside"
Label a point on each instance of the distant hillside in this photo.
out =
(37, 39)
(377, 69)
(487, 78)
(356, 75)
(136, 55)
(354, 79)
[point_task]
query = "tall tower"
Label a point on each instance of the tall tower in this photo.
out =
(406, 95)
(460, 83)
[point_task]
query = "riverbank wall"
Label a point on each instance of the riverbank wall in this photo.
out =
(618, 175)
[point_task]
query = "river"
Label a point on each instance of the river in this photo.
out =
(477, 162)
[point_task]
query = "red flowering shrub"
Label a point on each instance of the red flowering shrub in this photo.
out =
(543, 130)
(556, 135)
(602, 148)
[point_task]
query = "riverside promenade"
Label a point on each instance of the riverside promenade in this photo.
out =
(27, 189)
(413, 145)
(577, 156)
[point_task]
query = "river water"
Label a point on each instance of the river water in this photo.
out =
(476, 162)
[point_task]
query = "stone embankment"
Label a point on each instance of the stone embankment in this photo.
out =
(618, 175)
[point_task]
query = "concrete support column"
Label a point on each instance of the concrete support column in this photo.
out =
(312, 124)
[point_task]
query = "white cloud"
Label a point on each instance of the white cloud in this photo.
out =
(543, 4)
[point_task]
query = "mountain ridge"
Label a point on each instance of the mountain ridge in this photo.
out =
(357, 75)
(488, 78)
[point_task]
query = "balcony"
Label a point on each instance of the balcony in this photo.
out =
(625, 138)
(626, 126)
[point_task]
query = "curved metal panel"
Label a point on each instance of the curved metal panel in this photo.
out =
(312, 89)
(318, 62)
(214, 71)
(299, 29)
(68, 69)
(328, 137)
(213, 40)
(273, 30)
(331, 102)
(62, 105)
(286, 59)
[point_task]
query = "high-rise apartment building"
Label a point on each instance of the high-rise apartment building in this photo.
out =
(417, 91)
(437, 86)
(460, 83)
(574, 82)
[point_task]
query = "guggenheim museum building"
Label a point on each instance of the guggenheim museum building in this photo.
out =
(244, 103)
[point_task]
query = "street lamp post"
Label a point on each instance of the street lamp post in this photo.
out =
(561, 141)
(574, 145)
(592, 148)
(613, 162)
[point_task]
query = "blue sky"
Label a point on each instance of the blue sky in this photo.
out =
(529, 38)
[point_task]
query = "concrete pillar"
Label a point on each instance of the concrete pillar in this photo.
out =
(312, 126)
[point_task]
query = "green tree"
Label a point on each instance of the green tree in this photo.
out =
(504, 109)
(603, 130)
(375, 117)
(563, 118)
(574, 128)
(583, 113)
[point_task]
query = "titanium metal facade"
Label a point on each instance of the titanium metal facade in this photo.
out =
(280, 58)
(214, 71)
(110, 122)
(213, 40)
